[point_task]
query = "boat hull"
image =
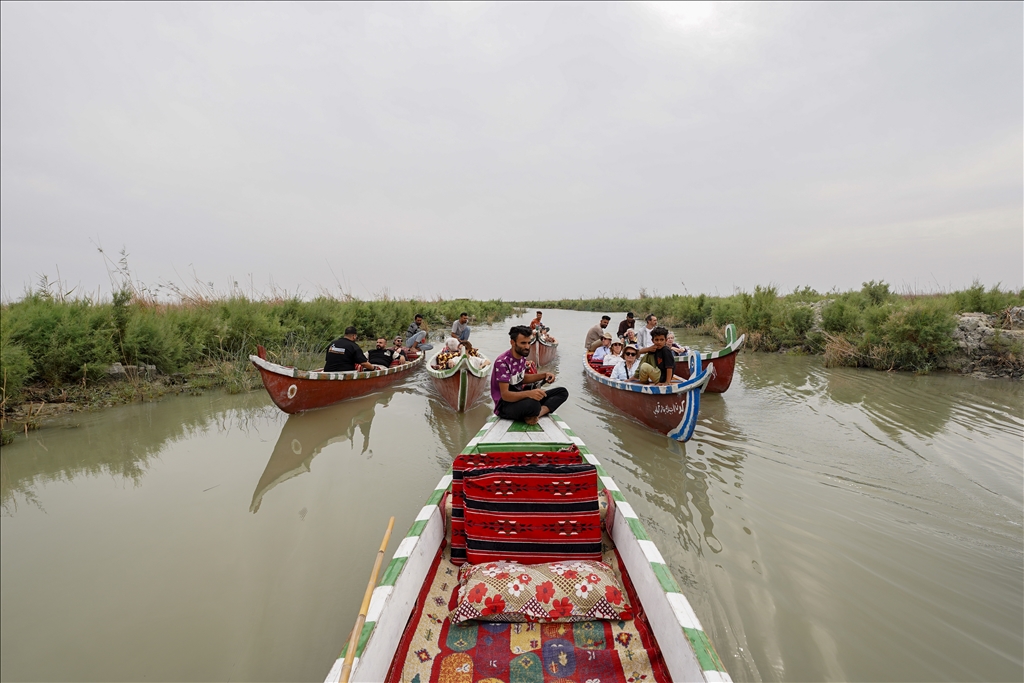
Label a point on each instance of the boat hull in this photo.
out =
(461, 387)
(720, 364)
(542, 353)
(668, 409)
(296, 391)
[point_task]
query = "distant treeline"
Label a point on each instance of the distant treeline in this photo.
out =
(54, 340)
(872, 327)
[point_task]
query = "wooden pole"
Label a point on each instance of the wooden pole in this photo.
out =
(357, 630)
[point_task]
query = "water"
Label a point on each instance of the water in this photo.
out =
(825, 524)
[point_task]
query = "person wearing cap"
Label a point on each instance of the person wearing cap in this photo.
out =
(601, 351)
(614, 356)
(596, 333)
(344, 355)
(626, 324)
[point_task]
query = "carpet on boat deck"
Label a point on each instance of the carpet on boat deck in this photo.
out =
(433, 649)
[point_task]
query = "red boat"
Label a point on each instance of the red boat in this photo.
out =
(542, 352)
(295, 390)
(719, 364)
(669, 409)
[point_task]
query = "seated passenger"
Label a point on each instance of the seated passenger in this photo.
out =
(630, 365)
(614, 356)
(671, 343)
(630, 337)
(475, 358)
(601, 351)
(381, 356)
(450, 355)
(660, 359)
(398, 351)
(344, 355)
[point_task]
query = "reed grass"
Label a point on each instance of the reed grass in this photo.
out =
(871, 327)
(52, 338)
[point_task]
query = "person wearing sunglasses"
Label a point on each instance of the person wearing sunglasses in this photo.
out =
(632, 369)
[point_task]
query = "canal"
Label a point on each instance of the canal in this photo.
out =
(825, 524)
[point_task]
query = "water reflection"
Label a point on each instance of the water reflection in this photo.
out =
(305, 435)
(119, 442)
(455, 429)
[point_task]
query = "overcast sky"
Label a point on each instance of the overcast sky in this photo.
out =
(514, 150)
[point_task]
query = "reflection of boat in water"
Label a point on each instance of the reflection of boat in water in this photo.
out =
(409, 634)
(294, 390)
(463, 385)
(721, 363)
(670, 408)
(455, 429)
(305, 435)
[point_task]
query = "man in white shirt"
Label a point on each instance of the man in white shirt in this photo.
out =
(643, 337)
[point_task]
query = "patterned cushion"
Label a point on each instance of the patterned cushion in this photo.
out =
(556, 592)
(532, 514)
(466, 461)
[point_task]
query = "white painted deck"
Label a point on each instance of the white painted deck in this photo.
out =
(498, 432)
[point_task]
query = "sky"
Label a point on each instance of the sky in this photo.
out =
(515, 151)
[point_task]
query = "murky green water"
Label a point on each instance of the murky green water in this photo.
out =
(826, 524)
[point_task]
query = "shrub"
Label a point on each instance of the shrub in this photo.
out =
(839, 317)
(875, 293)
(15, 368)
(918, 336)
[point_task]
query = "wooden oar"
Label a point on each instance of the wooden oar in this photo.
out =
(346, 669)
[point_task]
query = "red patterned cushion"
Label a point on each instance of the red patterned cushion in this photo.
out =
(556, 592)
(532, 514)
(467, 461)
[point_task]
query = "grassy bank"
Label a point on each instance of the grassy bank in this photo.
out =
(52, 344)
(871, 327)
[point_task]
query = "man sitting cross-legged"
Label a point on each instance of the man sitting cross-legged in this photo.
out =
(510, 400)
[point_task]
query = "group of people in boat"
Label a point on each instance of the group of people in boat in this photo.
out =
(541, 331)
(647, 356)
(345, 355)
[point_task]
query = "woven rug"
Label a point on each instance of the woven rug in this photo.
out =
(432, 649)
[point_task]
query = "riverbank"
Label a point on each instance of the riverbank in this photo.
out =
(58, 351)
(973, 330)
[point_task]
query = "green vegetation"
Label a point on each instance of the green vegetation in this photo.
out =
(872, 327)
(57, 342)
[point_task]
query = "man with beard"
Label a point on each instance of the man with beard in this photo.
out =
(511, 400)
(595, 334)
(381, 355)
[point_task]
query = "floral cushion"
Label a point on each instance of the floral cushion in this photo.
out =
(577, 590)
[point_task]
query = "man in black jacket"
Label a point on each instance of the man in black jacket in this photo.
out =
(344, 355)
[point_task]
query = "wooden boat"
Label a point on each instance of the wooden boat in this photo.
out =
(542, 352)
(295, 390)
(462, 386)
(407, 606)
(720, 364)
(670, 409)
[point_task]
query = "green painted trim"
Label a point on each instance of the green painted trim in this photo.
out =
(417, 528)
(706, 655)
(393, 571)
(436, 496)
(638, 529)
(487, 447)
(463, 390)
(363, 637)
(618, 497)
(665, 578)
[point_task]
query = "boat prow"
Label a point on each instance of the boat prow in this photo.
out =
(542, 352)
(721, 363)
(462, 386)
